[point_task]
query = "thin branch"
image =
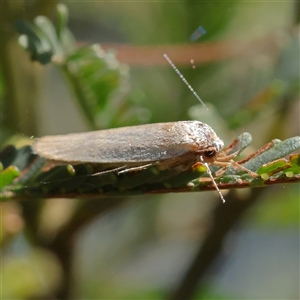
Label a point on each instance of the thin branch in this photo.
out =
(201, 53)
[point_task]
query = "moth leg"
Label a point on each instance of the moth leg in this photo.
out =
(124, 169)
(109, 171)
(133, 169)
(222, 157)
(229, 148)
(225, 161)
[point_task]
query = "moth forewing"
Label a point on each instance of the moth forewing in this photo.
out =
(164, 144)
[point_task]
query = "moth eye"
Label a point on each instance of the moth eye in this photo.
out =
(209, 154)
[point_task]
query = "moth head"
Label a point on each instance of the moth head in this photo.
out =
(211, 153)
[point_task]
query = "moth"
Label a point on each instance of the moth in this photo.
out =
(170, 145)
(165, 145)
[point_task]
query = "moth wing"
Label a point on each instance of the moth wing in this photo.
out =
(134, 144)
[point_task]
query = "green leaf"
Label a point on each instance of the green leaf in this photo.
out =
(96, 76)
(7, 156)
(97, 79)
(33, 40)
(279, 150)
(8, 175)
(45, 42)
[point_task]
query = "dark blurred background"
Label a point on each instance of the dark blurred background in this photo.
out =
(246, 70)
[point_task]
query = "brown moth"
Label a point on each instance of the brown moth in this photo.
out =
(164, 145)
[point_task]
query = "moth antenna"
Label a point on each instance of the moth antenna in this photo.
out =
(183, 79)
(212, 178)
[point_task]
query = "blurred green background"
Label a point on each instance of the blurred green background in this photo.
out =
(246, 69)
